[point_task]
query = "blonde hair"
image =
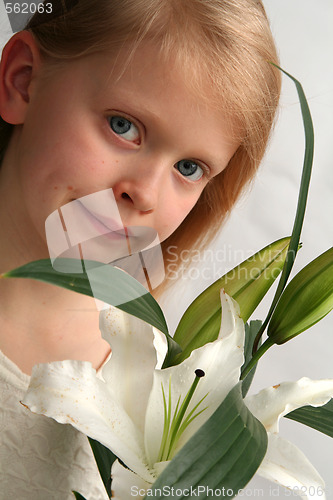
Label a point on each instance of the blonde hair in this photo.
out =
(225, 42)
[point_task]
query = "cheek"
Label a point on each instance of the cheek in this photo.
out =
(58, 145)
(175, 213)
(64, 169)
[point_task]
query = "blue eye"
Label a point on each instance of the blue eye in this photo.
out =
(190, 169)
(125, 128)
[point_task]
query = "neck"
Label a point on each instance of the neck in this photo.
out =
(40, 323)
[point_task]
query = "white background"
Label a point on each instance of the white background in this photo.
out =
(304, 36)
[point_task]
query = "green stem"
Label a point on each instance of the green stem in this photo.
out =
(260, 352)
(301, 204)
(261, 331)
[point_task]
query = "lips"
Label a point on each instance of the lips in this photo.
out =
(93, 217)
(105, 224)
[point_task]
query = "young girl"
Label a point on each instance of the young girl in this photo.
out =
(167, 103)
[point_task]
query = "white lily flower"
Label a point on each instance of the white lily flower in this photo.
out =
(126, 407)
(284, 463)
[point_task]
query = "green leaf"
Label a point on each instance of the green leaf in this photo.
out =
(104, 460)
(78, 496)
(302, 199)
(251, 331)
(110, 284)
(224, 453)
(305, 301)
(320, 418)
(247, 283)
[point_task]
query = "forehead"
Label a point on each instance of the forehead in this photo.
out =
(160, 77)
(160, 94)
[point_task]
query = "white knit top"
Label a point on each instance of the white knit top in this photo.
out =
(39, 458)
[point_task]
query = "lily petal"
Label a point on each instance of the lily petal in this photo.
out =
(70, 392)
(272, 403)
(126, 484)
(129, 372)
(161, 347)
(286, 465)
(220, 360)
(231, 322)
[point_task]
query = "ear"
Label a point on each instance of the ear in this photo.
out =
(19, 64)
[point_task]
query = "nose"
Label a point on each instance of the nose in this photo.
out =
(140, 203)
(141, 198)
(140, 190)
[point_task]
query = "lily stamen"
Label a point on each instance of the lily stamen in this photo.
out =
(174, 429)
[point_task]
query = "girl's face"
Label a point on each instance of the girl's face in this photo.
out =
(92, 126)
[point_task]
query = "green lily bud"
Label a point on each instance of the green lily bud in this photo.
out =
(305, 301)
(247, 283)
